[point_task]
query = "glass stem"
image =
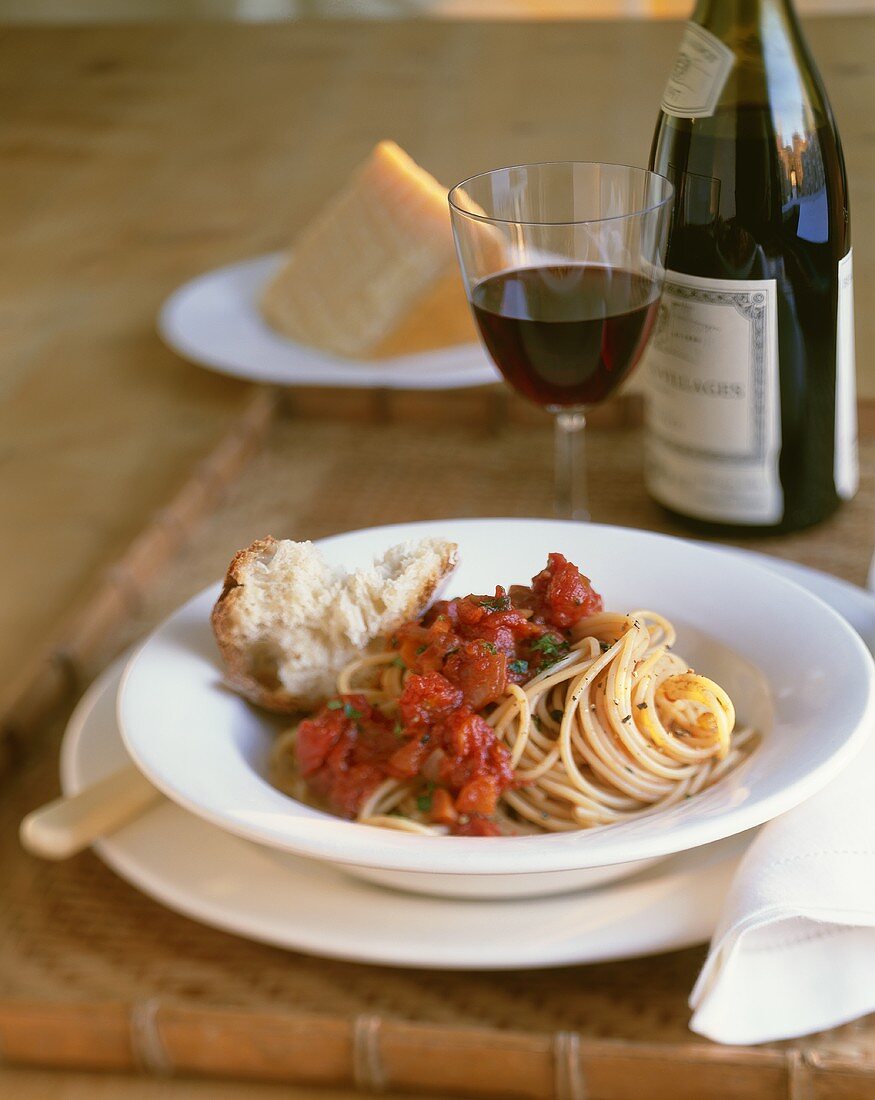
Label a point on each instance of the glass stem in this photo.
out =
(570, 496)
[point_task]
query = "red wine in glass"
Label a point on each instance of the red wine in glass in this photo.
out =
(563, 263)
(566, 335)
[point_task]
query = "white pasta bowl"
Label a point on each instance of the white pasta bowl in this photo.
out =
(794, 668)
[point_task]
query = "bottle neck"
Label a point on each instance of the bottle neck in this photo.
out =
(772, 61)
(722, 17)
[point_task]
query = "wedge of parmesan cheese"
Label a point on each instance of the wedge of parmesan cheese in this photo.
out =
(375, 274)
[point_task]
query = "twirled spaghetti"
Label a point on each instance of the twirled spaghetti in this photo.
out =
(614, 724)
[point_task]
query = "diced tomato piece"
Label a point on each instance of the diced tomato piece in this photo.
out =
(476, 826)
(423, 649)
(443, 812)
(470, 611)
(426, 698)
(406, 761)
(480, 670)
(412, 641)
(478, 796)
(463, 732)
(316, 737)
(471, 749)
(351, 787)
(563, 595)
(442, 609)
(455, 740)
(498, 756)
(341, 749)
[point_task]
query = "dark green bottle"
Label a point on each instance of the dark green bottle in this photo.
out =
(751, 419)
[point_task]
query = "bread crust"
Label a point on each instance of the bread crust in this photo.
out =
(223, 618)
(262, 686)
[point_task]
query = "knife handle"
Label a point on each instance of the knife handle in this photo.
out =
(64, 827)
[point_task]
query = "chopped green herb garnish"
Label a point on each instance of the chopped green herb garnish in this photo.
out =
(519, 667)
(398, 729)
(424, 800)
(421, 649)
(347, 708)
(490, 646)
(496, 603)
(550, 648)
(398, 663)
(604, 646)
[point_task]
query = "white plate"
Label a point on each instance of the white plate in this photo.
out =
(203, 872)
(207, 749)
(214, 320)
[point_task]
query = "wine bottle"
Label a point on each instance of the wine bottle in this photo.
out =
(751, 419)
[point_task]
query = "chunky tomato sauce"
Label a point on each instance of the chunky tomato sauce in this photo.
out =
(459, 657)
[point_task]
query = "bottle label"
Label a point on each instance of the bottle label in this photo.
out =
(698, 75)
(846, 469)
(713, 411)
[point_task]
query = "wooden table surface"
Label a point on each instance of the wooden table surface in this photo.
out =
(136, 157)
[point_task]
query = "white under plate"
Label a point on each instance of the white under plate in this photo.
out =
(214, 321)
(211, 876)
(206, 873)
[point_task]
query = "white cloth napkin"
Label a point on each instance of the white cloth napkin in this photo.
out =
(795, 948)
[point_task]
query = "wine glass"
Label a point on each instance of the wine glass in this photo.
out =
(563, 264)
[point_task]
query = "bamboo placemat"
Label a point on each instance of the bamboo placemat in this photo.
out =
(94, 973)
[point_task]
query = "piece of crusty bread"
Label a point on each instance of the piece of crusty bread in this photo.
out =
(287, 622)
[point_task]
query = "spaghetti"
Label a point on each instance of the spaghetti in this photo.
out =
(613, 724)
